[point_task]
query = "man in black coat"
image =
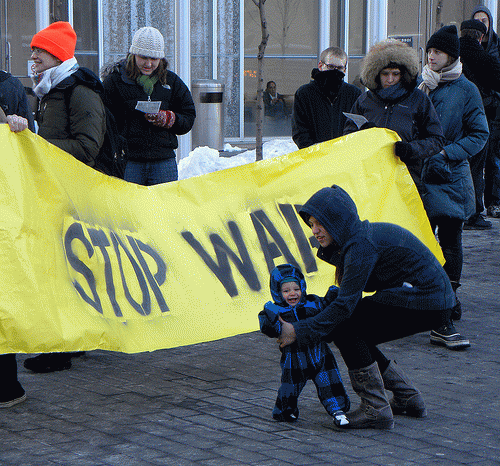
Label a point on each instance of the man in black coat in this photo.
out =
(319, 105)
(483, 69)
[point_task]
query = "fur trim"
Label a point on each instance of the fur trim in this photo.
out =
(383, 53)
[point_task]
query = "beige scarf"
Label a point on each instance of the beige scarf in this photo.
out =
(431, 79)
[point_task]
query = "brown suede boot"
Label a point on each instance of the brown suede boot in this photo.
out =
(374, 411)
(407, 398)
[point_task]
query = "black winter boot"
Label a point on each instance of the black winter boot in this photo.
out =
(374, 411)
(407, 398)
(456, 312)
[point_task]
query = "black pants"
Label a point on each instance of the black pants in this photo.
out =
(477, 164)
(9, 387)
(449, 234)
(373, 323)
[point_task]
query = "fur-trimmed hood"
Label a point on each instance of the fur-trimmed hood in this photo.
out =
(381, 55)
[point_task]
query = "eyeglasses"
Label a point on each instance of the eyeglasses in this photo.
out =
(37, 51)
(330, 66)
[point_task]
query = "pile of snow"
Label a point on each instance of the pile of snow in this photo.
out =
(204, 160)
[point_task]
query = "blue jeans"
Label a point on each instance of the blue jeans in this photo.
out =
(150, 173)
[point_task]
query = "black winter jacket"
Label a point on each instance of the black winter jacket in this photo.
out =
(483, 70)
(317, 117)
(72, 117)
(413, 117)
(13, 98)
(146, 141)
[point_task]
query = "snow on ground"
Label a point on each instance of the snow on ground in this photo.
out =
(204, 160)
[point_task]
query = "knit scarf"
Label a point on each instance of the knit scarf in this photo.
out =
(46, 80)
(147, 83)
(392, 93)
(431, 79)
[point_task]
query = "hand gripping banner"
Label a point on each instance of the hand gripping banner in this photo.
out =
(89, 261)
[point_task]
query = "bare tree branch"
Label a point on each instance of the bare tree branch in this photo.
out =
(260, 80)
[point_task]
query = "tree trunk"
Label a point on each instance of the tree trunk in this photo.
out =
(260, 80)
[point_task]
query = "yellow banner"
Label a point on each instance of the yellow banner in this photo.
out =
(89, 261)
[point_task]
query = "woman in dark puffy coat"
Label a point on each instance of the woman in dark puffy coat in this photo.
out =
(393, 101)
(151, 137)
(448, 191)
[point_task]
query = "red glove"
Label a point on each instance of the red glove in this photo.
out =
(163, 119)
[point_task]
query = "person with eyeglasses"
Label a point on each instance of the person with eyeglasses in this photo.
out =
(319, 105)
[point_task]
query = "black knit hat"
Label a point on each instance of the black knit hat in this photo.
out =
(446, 40)
(474, 24)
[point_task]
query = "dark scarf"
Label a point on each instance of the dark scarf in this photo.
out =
(329, 81)
(392, 93)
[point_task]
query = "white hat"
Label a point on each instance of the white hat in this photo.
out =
(148, 42)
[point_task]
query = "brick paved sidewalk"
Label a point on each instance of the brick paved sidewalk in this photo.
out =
(210, 404)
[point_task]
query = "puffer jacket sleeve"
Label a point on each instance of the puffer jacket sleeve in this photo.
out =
(183, 106)
(113, 99)
(359, 262)
(430, 139)
(301, 121)
(475, 128)
(87, 125)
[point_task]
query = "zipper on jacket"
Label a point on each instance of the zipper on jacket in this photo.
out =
(388, 115)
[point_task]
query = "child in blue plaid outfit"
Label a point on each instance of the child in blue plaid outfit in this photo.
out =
(300, 364)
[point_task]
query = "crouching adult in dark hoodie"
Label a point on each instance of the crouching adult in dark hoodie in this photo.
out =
(412, 294)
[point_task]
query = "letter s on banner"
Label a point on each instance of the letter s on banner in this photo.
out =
(109, 270)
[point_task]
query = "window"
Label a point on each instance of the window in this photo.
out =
(291, 53)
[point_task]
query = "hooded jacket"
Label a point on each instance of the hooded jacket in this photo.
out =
(13, 99)
(318, 107)
(492, 43)
(373, 257)
(479, 67)
(72, 117)
(308, 306)
(411, 114)
(147, 142)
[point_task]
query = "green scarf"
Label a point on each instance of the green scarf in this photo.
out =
(147, 83)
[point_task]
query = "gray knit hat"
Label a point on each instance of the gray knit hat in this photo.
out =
(148, 42)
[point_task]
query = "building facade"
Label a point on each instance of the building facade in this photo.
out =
(215, 39)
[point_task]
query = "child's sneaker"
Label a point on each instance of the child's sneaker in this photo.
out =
(340, 419)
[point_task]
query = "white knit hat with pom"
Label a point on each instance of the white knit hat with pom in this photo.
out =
(148, 42)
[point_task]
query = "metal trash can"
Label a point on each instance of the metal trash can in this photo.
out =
(208, 128)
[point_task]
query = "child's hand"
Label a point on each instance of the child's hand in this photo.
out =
(287, 336)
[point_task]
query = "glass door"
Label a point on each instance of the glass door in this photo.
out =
(17, 27)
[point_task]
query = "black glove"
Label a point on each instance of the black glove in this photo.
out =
(331, 294)
(436, 170)
(403, 150)
(367, 125)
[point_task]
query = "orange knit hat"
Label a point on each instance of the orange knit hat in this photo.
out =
(59, 39)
